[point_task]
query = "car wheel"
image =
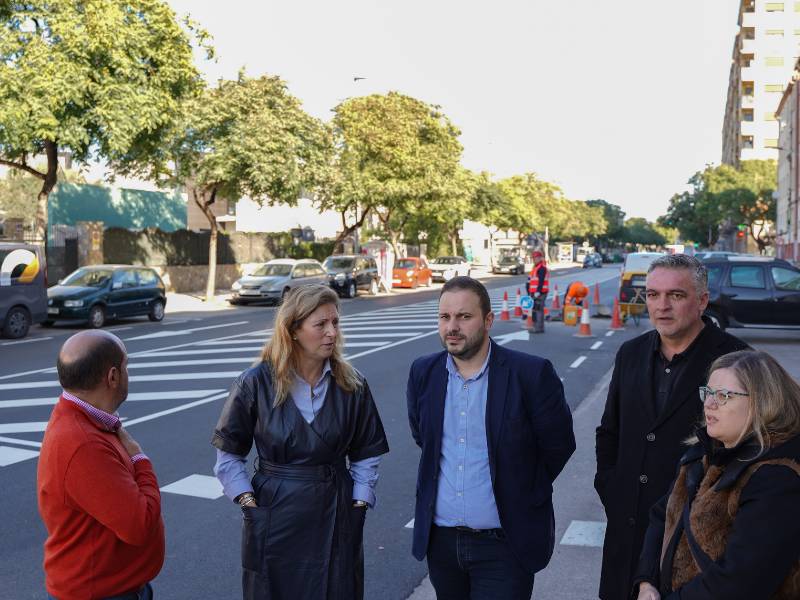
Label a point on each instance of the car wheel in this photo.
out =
(352, 290)
(18, 322)
(373, 288)
(97, 316)
(716, 319)
(47, 323)
(156, 311)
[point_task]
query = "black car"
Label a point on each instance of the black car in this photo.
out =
(514, 265)
(347, 274)
(593, 260)
(753, 291)
(97, 293)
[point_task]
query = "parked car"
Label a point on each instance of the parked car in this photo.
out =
(349, 273)
(513, 265)
(712, 254)
(23, 288)
(411, 272)
(753, 291)
(593, 260)
(100, 292)
(445, 268)
(272, 280)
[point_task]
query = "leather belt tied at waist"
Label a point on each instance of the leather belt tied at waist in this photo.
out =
(302, 472)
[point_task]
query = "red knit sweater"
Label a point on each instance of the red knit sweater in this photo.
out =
(102, 512)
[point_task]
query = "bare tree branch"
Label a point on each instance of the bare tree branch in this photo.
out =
(22, 167)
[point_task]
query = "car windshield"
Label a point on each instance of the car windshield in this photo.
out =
(405, 264)
(639, 263)
(88, 278)
(508, 260)
(338, 263)
(273, 271)
(446, 260)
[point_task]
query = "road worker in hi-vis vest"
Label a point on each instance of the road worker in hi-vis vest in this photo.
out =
(538, 286)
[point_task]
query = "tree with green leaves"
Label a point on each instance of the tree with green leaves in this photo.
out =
(100, 79)
(395, 156)
(18, 192)
(247, 137)
(641, 232)
(614, 218)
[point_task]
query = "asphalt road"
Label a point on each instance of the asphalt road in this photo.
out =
(180, 372)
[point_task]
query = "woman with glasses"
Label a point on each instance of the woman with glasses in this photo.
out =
(729, 528)
(319, 437)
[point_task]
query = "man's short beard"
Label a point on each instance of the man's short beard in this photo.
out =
(471, 346)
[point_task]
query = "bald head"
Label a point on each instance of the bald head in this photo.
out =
(87, 357)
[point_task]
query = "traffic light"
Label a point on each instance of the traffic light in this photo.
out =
(740, 234)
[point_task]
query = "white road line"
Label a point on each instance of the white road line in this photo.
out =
(416, 337)
(596, 345)
(585, 533)
(28, 341)
(20, 442)
(409, 525)
(578, 362)
(170, 333)
(34, 427)
(222, 342)
(366, 344)
(346, 328)
(197, 352)
(113, 329)
(10, 456)
(133, 379)
(609, 333)
(421, 322)
(170, 411)
(380, 334)
(189, 363)
(199, 486)
(132, 397)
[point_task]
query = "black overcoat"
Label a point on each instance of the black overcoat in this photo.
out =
(638, 451)
(304, 539)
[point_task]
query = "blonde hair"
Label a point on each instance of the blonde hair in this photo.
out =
(774, 396)
(280, 351)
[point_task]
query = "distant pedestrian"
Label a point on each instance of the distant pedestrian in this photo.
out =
(651, 409)
(729, 527)
(538, 288)
(495, 432)
(98, 494)
(319, 440)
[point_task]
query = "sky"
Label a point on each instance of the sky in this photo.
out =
(621, 100)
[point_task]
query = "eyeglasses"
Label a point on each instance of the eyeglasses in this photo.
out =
(718, 397)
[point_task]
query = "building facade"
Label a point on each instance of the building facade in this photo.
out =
(787, 240)
(764, 54)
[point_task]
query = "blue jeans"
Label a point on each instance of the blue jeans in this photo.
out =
(146, 593)
(470, 566)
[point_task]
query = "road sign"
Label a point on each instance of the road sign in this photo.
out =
(526, 302)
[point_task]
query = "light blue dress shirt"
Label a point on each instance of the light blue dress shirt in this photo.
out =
(231, 469)
(465, 496)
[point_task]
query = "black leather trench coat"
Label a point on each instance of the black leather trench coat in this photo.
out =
(638, 450)
(304, 539)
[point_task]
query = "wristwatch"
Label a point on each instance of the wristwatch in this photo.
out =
(246, 499)
(359, 503)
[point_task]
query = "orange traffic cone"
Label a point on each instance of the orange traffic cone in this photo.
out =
(518, 306)
(556, 301)
(504, 314)
(585, 329)
(616, 320)
(596, 299)
(529, 320)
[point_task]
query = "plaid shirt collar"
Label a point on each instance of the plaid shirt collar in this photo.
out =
(108, 421)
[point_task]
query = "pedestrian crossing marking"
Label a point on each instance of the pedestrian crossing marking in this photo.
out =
(132, 397)
(10, 456)
(199, 486)
(585, 533)
(35, 427)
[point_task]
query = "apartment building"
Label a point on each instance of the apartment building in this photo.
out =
(764, 54)
(787, 240)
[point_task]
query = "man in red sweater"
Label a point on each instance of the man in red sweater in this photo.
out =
(98, 494)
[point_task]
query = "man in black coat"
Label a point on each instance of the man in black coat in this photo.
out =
(653, 405)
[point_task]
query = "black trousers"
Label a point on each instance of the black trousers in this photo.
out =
(470, 566)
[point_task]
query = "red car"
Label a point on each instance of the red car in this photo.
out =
(411, 273)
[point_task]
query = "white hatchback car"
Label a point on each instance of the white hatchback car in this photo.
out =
(445, 268)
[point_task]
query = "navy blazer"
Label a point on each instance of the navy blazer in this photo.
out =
(527, 412)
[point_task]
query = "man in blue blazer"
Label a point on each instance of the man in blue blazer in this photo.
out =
(495, 431)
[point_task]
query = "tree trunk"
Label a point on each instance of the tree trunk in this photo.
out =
(205, 206)
(348, 229)
(50, 180)
(454, 243)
